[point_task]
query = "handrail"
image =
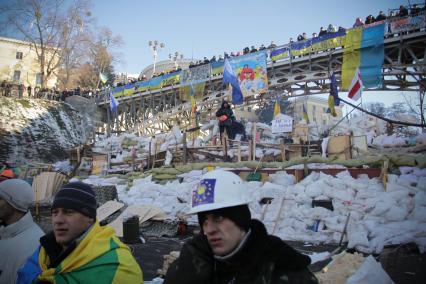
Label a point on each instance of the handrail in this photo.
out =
(289, 48)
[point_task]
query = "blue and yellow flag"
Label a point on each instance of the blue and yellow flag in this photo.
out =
(305, 114)
(364, 49)
(103, 77)
(277, 107)
(333, 98)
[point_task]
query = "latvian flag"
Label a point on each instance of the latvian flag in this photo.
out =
(355, 88)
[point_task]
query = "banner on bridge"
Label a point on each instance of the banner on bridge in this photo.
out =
(217, 67)
(152, 84)
(280, 53)
(191, 91)
(251, 72)
(195, 75)
(316, 44)
(328, 41)
(406, 24)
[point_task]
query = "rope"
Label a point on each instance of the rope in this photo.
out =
(384, 118)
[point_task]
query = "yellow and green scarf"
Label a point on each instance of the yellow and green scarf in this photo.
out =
(99, 258)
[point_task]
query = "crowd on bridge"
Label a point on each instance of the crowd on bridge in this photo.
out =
(403, 11)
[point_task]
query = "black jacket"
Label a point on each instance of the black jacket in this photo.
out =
(264, 259)
(225, 111)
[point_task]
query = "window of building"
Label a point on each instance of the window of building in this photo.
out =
(16, 76)
(324, 109)
(19, 55)
(38, 78)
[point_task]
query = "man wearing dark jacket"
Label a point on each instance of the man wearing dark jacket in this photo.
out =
(226, 117)
(232, 247)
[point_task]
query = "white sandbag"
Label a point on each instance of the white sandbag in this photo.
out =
(396, 213)
(282, 178)
(320, 213)
(408, 180)
(357, 236)
(419, 213)
(316, 188)
(420, 199)
(370, 272)
(382, 206)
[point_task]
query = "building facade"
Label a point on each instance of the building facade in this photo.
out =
(316, 108)
(19, 64)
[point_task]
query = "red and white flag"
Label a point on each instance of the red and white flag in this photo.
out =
(355, 89)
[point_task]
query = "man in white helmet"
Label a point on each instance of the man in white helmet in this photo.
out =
(232, 247)
(19, 235)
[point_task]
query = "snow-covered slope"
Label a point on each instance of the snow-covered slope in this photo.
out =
(38, 130)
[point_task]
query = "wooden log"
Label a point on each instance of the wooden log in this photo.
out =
(185, 152)
(278, 218)
(282, 146)
(239, 152)
(250, 150)
(254, 142)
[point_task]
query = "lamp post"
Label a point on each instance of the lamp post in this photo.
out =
(175, 57)
(155, 47)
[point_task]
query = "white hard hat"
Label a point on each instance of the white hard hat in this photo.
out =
(218, 189)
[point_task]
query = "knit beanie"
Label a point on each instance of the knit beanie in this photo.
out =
(240, 215)
(78, 196)
(18, 193)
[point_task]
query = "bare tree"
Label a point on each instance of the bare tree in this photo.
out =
(101, 57)
(51, 27)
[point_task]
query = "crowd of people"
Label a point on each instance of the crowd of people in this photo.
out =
(7, 88)
(226, 55)
(12, 89)
(230, 248)
(401, 12)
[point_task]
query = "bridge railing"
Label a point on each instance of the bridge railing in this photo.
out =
(394, 26)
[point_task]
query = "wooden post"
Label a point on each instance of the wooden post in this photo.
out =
(278, 218)
(249, 150)
(225, 149)
(282, 146)
(149, 154)
(239, 152)
(254, 142)
(384, 173)
(184, 149)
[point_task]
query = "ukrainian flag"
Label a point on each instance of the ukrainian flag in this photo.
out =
(277, 108)
(364, 49)
(305, 114)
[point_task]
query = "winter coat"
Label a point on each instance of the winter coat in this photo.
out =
(264, 259)
(225, 111)
(99, 257)
(17, 242)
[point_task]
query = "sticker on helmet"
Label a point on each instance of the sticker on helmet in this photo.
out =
(204, 193)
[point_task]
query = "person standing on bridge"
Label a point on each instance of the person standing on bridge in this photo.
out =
(226, 117)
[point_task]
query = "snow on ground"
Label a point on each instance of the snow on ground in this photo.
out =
(378, 217)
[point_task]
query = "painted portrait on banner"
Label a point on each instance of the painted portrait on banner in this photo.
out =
(251, 72)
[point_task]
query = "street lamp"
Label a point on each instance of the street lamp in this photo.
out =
(175, 57)
(155, 47)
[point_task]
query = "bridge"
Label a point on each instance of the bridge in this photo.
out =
(155, 111)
